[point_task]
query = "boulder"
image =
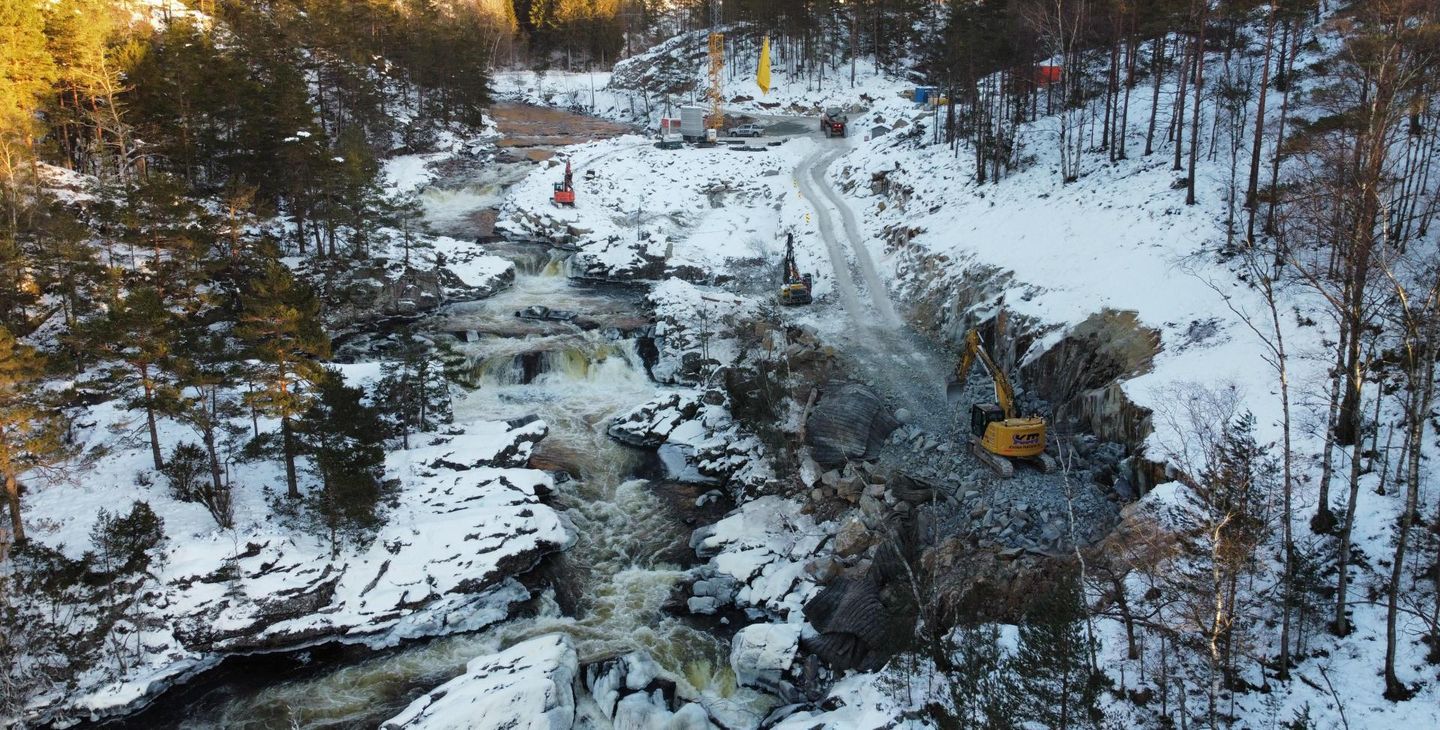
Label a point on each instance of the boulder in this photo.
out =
(642, 711)
(851, 622)
(614, 682)
(650, 424)
(913, 490)
(852, 539)
(822, 570)
(761, 654)
(526, 687)
(850, 489)
(849, 421)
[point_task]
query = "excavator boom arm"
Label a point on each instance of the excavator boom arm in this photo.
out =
(1004, 393)
(792, 270)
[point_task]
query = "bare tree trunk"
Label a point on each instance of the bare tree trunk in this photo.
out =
(1341, 624)
(1181, 97)
(1324, 519)
(1252, 189)
(1131, 46)
(1287, 498)
(12, 496)
(1422, 393)
(1395, 690)
(1287, 57)
(1157, 62)
(287, 435)
(1199, 85)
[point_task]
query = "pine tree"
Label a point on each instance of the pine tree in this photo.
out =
(30, 429)
(139, 331)
(345, 440)
(983, 692)
(26, 70)
(20, 293)
(281, 326)
(356, 194)
(204, 377)
(413, 393)
(84, 40)
(66, 264)
(1236, 489)
(1053, 661)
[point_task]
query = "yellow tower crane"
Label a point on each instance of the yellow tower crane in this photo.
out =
(716, 120)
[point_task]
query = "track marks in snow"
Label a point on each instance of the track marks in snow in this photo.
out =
(879, 294)
(891, 354)
(808, 178)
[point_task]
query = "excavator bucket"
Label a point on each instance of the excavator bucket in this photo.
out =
(955, 392)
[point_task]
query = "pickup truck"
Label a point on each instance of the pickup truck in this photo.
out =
(832, 122)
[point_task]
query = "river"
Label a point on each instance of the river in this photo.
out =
(627, 557)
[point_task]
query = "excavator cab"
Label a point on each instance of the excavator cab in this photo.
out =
(792, 294)
(982, 415)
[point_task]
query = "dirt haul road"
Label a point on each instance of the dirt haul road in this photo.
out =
(893, 357)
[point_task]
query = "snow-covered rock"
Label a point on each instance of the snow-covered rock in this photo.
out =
(698, 441)
(464, 522)
(636, 693)
(762, 654)
(642, 711)
(693, 329)
(857, 702)
(757, 557)
(479, 444)
(445, 272)
(475, 273)
(529, 686)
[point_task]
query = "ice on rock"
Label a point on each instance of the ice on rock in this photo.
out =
(761, 654)
(529, 686)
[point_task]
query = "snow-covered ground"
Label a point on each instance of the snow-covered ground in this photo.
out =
(1119, 238)
(466, 518)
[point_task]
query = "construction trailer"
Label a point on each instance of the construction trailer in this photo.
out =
(923, 94)
(692, 123)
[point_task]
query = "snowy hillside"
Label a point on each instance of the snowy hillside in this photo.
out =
(1054, 256)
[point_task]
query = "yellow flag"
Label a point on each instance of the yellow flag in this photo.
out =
(762, 76)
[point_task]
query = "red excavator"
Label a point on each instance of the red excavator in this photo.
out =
(565, 191)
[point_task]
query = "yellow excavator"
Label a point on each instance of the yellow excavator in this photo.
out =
(794, 286)
(997, 435)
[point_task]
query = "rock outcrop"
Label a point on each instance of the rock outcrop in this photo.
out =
(529, 686)
(849, 421)
(363, 293)
(464, 525)
(762, 655)
(697, 439)
(635, 693)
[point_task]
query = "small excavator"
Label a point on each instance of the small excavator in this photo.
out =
(565, 191)
(997, 435)
(795, 287)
